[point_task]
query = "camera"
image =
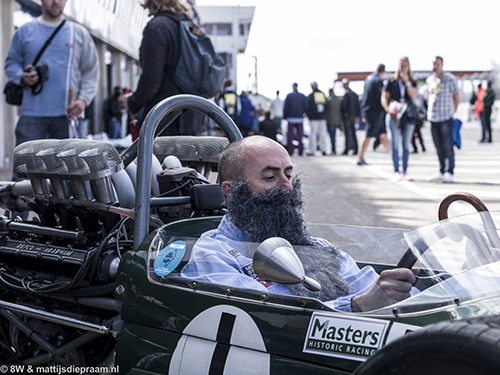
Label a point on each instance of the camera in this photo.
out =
(42, 70)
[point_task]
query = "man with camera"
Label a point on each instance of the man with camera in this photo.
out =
(57, 89)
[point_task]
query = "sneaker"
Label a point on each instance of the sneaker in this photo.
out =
(448, 177)
(362, 162)
(406, 176)
(396, 176)
(436, 177)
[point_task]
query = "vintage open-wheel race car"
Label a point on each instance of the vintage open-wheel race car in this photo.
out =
(91, 279)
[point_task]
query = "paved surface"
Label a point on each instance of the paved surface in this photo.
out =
(340, 192)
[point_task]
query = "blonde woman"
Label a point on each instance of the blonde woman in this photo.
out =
(400, 90)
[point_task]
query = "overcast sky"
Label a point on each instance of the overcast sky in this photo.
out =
(302, 41)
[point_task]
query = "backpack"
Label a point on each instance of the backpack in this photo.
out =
(200, 71)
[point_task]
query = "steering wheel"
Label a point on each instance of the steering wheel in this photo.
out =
(446, 229)
(489, 224)
(463, 230)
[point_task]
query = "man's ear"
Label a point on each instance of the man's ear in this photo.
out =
(226, 186)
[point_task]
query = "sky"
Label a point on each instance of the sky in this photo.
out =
(313, 40)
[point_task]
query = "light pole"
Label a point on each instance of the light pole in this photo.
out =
(255, 75)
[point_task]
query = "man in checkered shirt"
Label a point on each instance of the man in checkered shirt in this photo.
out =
(443, 99)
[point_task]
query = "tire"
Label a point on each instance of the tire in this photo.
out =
(470, 346)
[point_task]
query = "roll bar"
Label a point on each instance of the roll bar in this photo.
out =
(164, 113)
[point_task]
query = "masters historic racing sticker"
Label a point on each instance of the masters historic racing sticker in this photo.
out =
(169, 258)
(342, 336)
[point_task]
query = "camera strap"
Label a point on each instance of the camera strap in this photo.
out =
(47, 42)
(38, 87)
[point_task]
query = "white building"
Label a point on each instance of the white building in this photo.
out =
(228, 27)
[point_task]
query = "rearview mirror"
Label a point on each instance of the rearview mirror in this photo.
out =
(276, 261)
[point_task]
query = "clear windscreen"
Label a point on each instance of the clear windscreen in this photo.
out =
(458, 259)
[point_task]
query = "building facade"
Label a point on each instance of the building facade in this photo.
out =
(228, 27)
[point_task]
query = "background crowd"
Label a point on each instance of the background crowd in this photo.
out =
(391, 111)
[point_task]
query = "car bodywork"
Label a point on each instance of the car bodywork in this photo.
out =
(295, 334)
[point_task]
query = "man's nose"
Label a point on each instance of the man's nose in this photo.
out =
(286, 183)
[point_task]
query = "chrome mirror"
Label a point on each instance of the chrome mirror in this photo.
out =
(276, 261)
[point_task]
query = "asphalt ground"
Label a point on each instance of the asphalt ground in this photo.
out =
(337, 191)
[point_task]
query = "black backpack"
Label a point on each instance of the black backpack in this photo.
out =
(200, 71)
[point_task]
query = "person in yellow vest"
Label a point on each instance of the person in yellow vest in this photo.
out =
(229, 100)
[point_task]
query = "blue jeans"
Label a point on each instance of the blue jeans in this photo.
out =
(406, 137)
(442, 135)
(32, 128)
(114, 128)
(332, 130)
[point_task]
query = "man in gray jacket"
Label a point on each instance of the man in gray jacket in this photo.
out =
(333, 117)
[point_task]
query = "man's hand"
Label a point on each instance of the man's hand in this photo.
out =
(30, 77)
(392, 286)
(404, 76)
(74, 109)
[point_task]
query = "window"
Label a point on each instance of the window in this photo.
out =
(209, 28)
(224, 29)
(244, 28)
(220, 29)
(228, 58)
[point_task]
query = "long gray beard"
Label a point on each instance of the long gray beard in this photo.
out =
(324, 266)
(278, 213)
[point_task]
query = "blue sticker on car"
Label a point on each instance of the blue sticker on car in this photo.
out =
(169, 258)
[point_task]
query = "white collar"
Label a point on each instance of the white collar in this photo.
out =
(48, 23)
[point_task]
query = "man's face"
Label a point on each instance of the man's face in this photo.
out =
(267, 165)
(437, 67)
(53, 9)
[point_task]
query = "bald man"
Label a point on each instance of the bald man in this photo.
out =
(264, 200)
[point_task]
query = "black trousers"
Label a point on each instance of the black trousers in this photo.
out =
(351, 142)
(487, 120)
